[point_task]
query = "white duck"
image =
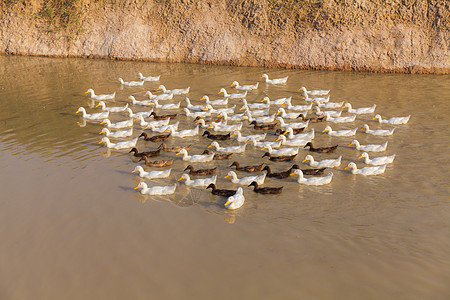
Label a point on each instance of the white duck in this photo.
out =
(160, 97)
(100, 97)
(318, 99)
(161, 129)
(217, 102)
(256, 137)
(218, 127)
(293, 142)
(282, 80)
(120, 145)
(183, 133)
(347, 119)
(313, 92)
(203, 124)
(246, 180)
(349, 132)
(148, 78)
(370, 147)
(174, 91)
(326, 163)
(281, 152)
(232, 96)
(131, 83)
(359, 111)
(291, 115)
(292, 125)
(312, 180)
(144, 114)
(142, 103)
(113, 109)
(394, 121)
(195, 158)
(232, 149)
(95, 116)
(156, 190)
(151, 124)
(329, 105)
(247, 87)
(377, 161)
(200, 107)
(291, 135)
(237, 117)
(262, 119)
(227, 110)
(256, 105)
(196, 114)
(298, 107)
(257, 112)
(332, 113)
(198, 182)
(117, 134)
(235, 201)
(280, 101)
(379, 132)
(151, 174)
(276, 144)
(166, 106)
(118, 125)
(366, 170)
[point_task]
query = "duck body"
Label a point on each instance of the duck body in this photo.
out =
(117, 134)
(266, 105)
(312, 120)
(366, 171)
(156, 138)
(218, 102)
(160, 97)
(151, 174)
(220, 192)
(326, 163)
(118, 125)
(200, 107)
(144, 114)
(233, 149)
(161, 129)
(255, 168)
(232, 96)
(279, 175)
(317, 99)
(332, 113)
(203, 182)
(113, 109)
(136, 153)
(282, 151)
(222, 128)
(293, 142)
(141, 103)
(236, 201)
(257, 112)
(246, 180)
(379, 132)
(192, 171)
(163, 117)
(221, 111)
(303, 136)
(393, 121)
(148, 78)
(279, 158)
(218, 137)
(197, 114)
(280, 101)
(349, 132)
(156, 190)
(265, 190)
(377, 161)
(313, 180)
(95, 116)
(184, 133)
(218, 156)
(263, 126)
(255, 137)
(151, 124)
(174, 91)
(370, 147)
(166, 106)
(330, 149)
(164, 147)
(330, 105)
(299, 107)
(285, 115)
(280, 131)
(263, 119)
(346, 119)
(314, 92)
(119, 145)
(294, 126)
(130, 83)
(359, 111)
(247, 87)
(282, 80)
(237, 117)
(100, 97)
(276, 144)
(195, 158)
(157, 163)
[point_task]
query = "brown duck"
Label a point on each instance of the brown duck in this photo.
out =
(164, 147)
(279, 158)
(321, 149)
(155, 138)
(162, 117)
(255, 168)
(219, 137)
(280, 175)
(218, 156)
(311, 120)
(192, 171)
(157, 163)
(294, 130)
(264, 126)
(221, 192)
(146, 153)
(265, 190)
(217, 120)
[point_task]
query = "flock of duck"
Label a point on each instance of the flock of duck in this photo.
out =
(220, 122)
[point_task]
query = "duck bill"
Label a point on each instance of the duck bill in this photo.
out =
(100, 142)
(293, 173)
(277, 140)
(373, 118)
(209, 146)
(226, 176)
(201, 98)
(324, 130)
(97, 105)
(360, 157)
(178, 153)
(219, 92)
(232, 135)
(346, 168)
(103, 122)
(134, 120)
(133, 171)
(284, 133)
(180, 178)
(101, 132)
(350, 144)
(303, 160)
(262, 100)
(227, 204)
(136, 187)
(362, 128)
(127, 99)
(77, 111)
(277, 114)
(86, 92)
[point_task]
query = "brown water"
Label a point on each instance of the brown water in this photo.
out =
(72, 227)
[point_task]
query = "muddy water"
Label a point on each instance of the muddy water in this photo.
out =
(72, 227)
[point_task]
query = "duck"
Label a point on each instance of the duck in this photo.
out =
(117, 134)
(349, 132)
(298, 107)
(232, 149)
(144, 114)
(279, 158)
(303, 136)
(136, 153)
(263, 126)
(174, 91)
(255, 137)
(208, 121)
(192, 171)
(285, 115)
(317, 99)
(157, 163)
(256, 112)
(160, 97)
(100, 97)
(292, 142)
(183, 133)
(370, 147)
(218, 156)
(118, 125)
(377, 161)
(119, 145)
(232, 96)
(266, 105)
(326, 163)
(218, 102)
(346, 119)
(218, 127)
(200, 107)
(163, 128)
(164, 147)
(330, 149)
(156, 190)
(279, 175)
(312, 180)
(379, 132)
(393, 121)
(245, 180)
(95, 116)
(197, 182)
(314, 92)
(280, 101)
(235, 201)
(114, 109)
(247, 87)
(148, 78)
(195, 158)
(263, 119)
(218, 137)
(254, 168)
(366, 171)
(220, 192)
(197, 114)
(163, 117)
(236, 117)
(265, 190)
(359, 111)
(329, 105)
(276, 144)
(280, 131)
(156, 138)
(292, 125)
(282, 80)
(130, 83)
(226, 110)
(141, 103)
(151, 174)
(332, 113)
(282, 151)
(311, 119)
(166, 106)
(151, 124)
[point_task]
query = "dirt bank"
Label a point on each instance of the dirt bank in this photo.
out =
(363, 35)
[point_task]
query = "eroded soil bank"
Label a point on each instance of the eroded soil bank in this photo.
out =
(362, 35)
